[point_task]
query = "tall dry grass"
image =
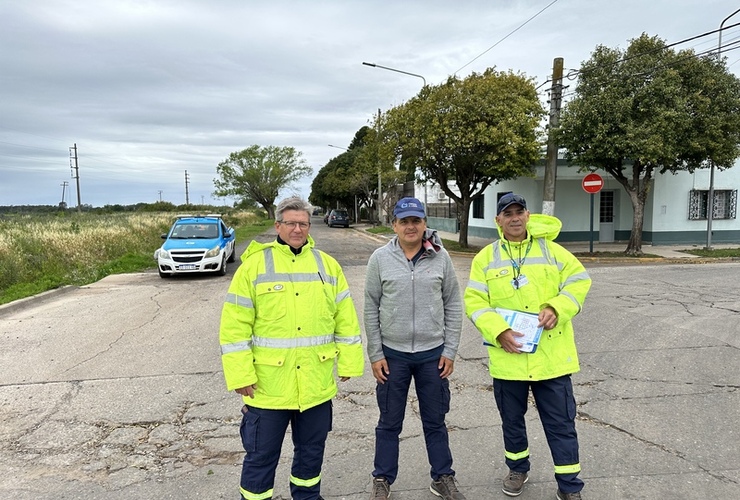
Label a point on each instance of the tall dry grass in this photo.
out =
(41, 252)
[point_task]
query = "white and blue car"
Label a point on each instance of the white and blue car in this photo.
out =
(196, 244)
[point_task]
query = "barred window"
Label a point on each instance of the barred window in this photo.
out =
(724, 206)
(478, 207)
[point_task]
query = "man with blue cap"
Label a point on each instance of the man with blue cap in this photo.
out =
(413, 321)
(526, 274)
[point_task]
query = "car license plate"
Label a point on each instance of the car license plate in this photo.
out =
(188, 267)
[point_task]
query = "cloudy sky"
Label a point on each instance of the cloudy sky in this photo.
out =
(150, 89)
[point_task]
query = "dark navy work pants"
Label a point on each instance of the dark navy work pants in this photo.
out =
(433, 393)
(557, 409)
(262, 432)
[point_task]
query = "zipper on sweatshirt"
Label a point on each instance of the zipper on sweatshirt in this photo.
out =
(413, 308)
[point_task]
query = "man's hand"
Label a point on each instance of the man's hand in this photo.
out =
(548, 318)
(247, 391)
(508, 341)
(380, 370)
(447, 366)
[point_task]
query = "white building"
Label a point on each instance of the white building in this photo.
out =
(675, 209)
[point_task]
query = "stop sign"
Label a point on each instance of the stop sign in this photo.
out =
(592, 183)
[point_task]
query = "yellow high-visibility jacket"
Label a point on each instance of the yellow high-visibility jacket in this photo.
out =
(286, 321)
(556, 278)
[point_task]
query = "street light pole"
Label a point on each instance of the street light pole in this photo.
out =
(710, 195)
(373, 65)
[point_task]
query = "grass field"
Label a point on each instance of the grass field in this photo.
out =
(43, 252)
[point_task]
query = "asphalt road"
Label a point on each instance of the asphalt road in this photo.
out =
(114, 390)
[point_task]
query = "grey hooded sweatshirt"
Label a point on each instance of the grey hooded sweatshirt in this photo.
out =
(412, 307)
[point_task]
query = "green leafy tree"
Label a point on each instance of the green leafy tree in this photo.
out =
(331, 187)
(650, 110)
(471, 132)
(372, 166)
(257, 174)
(354, 173)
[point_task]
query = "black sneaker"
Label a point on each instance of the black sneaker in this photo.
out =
(568, 496)
(381, 489)
(445, 488)
(514, 483)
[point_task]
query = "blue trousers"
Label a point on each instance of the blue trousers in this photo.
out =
(262, 432)
(433, 393)
(556, 406)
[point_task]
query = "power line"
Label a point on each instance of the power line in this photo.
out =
(507, 36)
(574, 73)
(30, 147)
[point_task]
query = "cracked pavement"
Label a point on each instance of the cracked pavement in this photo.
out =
(115, 390)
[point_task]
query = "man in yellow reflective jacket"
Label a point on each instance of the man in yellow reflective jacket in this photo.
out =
(525, 271)
(288, 319)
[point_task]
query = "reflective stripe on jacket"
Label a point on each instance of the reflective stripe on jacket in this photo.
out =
(556, 278)
(286, 320)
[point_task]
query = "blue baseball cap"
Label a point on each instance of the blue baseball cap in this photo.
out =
(510, 199)
(408, 207)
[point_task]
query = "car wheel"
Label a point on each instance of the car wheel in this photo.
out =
(163, 275)
(232, 257)
(224, 264)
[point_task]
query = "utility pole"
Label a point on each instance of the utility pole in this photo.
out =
(64, 185)
(551, 163)
(75, 173)
(710, 194)
(187, 195)
(380, 184)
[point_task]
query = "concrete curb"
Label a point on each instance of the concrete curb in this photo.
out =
(33, 300)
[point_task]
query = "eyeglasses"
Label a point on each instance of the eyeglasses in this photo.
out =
(291, 224)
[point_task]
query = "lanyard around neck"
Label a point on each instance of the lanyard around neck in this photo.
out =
(517, 264)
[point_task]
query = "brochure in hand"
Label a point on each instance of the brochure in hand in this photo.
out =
(525, 323)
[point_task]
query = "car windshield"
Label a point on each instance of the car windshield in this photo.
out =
(195, 231)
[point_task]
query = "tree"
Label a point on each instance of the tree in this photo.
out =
(259, 173)
(650, 109)
(332, 186)
(354, 173)
(372, 166)
(475, 132)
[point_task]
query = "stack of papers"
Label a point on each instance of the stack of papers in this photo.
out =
(525, 323)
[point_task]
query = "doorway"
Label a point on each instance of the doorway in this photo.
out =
(606, 217)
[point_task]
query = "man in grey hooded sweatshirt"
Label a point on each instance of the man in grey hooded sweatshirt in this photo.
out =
(413, 320)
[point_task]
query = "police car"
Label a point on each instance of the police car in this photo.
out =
(196, 244)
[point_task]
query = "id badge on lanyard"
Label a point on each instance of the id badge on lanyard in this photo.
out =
(519, 281)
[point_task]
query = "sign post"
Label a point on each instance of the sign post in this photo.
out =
(592, 184)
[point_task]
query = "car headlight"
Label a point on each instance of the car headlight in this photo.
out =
(164, 254)
(213, 252)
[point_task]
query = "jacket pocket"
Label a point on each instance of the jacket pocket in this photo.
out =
(272, 301)
(437, 314)
(325, 369)
(499, 283)
(269, 367)
(327, 353)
